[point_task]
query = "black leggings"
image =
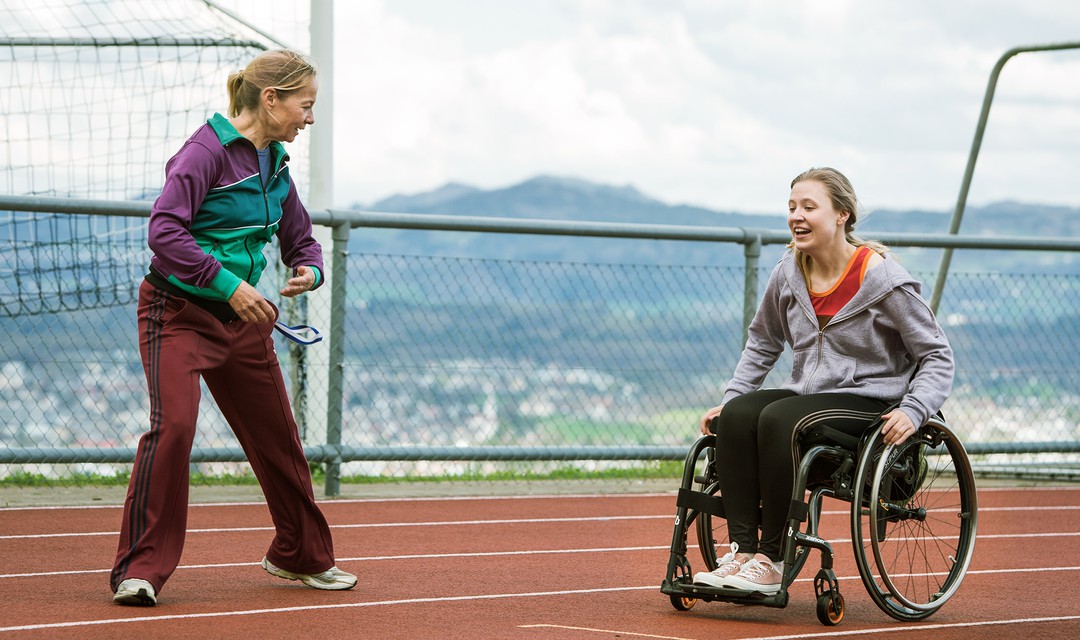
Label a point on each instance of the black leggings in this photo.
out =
(757, 456)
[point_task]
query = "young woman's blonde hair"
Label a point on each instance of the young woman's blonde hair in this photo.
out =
(282, 70)
(843, 198)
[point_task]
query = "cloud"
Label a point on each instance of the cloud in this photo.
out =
(703, 102)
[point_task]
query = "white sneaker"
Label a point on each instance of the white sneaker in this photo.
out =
(759, 574)
(727, 566)
(135, 591)
(332, 579)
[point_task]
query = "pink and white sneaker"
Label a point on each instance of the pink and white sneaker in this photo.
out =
(758, 574)
(726, 567)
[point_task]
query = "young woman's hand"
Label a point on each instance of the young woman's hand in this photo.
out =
(709, 415)
(897, 427)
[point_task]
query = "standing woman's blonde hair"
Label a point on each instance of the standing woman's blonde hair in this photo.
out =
(843, 198)
(282, 70)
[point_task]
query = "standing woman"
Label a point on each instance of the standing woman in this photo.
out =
(862, 339)
(227, 193)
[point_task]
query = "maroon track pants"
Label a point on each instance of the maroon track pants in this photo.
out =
(181, 342)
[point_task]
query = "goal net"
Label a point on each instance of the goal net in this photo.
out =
(98, 94)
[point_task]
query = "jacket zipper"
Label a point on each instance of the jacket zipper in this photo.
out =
(266, 224)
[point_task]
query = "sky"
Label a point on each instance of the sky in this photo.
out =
(716, 103)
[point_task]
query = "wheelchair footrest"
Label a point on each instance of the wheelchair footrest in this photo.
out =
(710, 593)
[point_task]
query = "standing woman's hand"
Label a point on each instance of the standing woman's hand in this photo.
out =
(709, 415)
(250, 305)
(303, 281)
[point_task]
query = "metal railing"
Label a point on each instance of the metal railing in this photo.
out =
(335, 451)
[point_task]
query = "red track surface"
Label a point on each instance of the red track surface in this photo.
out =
(536, 568)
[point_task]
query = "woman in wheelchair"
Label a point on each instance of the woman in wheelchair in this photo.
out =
(863, 339)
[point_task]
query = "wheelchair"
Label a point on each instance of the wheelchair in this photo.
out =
(913, 517)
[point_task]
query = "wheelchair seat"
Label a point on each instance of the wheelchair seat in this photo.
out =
(912, 515)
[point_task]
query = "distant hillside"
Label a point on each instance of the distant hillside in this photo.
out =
(561, 198)
(557, 198)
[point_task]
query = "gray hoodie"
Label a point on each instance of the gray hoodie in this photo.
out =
(884, 343)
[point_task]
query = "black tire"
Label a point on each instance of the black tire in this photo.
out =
(913, 520)
(710, 529)
(830, 608)
(683, 603)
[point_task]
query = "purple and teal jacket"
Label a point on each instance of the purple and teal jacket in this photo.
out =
(213, 218)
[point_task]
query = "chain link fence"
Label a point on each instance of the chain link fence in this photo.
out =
(472, 354)
(461, 356)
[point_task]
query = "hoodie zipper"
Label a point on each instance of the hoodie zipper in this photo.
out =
(838, 318)
(821, 336)
(820, 350)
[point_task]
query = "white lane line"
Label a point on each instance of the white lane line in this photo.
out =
(553, 496)
(618, 633)
(499, 596)
(913, 627)
(323, 607)
(370, 525)
(1064, 507)
(987, 536)
(32, 536)
(435, 523)
(413, 556)
(335, 501)
(483, 554)
(916, 627)
(494, 596)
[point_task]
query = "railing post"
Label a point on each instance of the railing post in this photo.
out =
(335, 388)
(969, 171)
(752, 254)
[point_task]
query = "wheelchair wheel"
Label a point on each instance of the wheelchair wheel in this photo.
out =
(683, 603)
(830, 608)
(913, 520)
(711, 530)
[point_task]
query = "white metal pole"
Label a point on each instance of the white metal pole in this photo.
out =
(320, 197)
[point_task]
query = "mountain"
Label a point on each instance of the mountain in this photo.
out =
(561, 198)
(449, 192)
(566, 198)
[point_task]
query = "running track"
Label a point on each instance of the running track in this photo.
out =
(532, 567)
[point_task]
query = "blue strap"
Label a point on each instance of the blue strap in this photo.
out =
(300, 334)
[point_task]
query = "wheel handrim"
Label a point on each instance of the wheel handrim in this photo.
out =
(946, 548)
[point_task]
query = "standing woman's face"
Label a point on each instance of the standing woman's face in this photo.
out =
(287, 116)
(815, 225)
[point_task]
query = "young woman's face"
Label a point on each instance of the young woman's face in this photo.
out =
(289, 115)
(813, 221)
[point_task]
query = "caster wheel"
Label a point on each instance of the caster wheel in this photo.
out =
(683, 603)
(830, 608)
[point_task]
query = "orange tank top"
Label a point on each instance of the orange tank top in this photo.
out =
(828, 303)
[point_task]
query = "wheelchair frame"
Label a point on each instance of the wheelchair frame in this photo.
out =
(903, 481)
